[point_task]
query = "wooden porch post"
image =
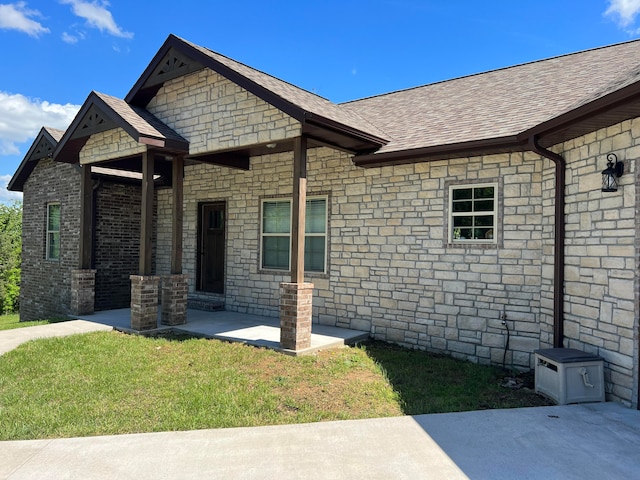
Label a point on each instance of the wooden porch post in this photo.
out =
(83, 279)
(144, 286)
(146, 220)
(86, 217)
(177, 216)
(296, 297)
(299, 209)
(175, 287)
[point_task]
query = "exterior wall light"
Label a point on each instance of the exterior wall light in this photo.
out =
(610, 174)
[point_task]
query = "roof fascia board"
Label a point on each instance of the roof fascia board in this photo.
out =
(440, 152)
(593, 108)
(341, 128)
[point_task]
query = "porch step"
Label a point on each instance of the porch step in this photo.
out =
(206, 304)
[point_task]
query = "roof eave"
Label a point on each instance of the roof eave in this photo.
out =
(619, 105)
(441, 152)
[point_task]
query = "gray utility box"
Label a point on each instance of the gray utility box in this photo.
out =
(567, 375)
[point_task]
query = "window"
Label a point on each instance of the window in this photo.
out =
(53, 231)
(276, 234)
(472, 214)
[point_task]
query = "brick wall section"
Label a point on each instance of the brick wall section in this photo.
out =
(214, 113)
(83, 283)
(295, 315)
(117, 243)
(45, 290)
(144, 302)
(175, 289)
(114, 143)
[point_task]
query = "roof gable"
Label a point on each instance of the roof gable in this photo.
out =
(102, 112)
(42, 147)
(317, 115)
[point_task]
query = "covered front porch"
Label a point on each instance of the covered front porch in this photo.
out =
(235, 327)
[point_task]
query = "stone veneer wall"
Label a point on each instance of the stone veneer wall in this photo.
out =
(391, 271)
(116, 243)
(45, 290)
(215, 114)
(602, 251)
(108, 145)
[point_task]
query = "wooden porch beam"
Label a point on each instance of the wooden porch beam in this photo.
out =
(146, 214)
(299, 209)
(177, 215)
(86, 217)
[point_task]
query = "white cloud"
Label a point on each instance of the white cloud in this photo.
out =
(625, 11)
(97, 16)
(16, 16)
(68, 38)
(7, 196)
(21, 119)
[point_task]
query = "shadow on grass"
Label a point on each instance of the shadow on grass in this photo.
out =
(428, 383)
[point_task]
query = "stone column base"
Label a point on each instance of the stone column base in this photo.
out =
(83, 291)
(144, 302)
(295, 315)
(175, 288)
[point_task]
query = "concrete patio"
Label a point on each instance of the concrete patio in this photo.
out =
(236, 327)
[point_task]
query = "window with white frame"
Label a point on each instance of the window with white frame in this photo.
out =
(53, 231)
(473, 213)
(276, 234)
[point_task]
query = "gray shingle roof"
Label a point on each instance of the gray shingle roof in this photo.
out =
(501, 103)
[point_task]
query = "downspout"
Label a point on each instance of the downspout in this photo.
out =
(559, 238)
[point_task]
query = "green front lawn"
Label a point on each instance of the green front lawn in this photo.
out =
(8, 322)
(111, 383)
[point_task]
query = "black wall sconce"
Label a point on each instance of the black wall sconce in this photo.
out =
(610, 175)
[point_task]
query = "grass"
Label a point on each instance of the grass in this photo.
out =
(111, 383)
(8, 322)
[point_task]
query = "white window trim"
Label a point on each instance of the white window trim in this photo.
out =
(451, 214)
(325, 234)
(48, 232)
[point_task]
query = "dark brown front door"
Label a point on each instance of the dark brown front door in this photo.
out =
(211, 247)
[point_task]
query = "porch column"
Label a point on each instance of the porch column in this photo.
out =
(83, 279)
(296, 298)
(175, 286)
(144, 286)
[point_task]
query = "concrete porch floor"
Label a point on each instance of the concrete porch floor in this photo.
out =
(235, 327)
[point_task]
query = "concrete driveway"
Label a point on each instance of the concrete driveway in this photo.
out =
(589, 441)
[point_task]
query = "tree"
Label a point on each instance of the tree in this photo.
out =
(10, 252)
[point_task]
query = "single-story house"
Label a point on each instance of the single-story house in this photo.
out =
(447, 217)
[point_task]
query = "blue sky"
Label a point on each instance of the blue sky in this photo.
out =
(54, 52)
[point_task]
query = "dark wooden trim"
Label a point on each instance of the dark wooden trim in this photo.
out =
(299, 206)
(177, 215)
(225, 159)
(442, 152)
(146, 215)
(86, 217)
